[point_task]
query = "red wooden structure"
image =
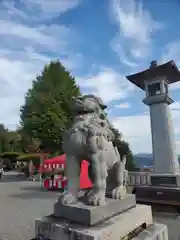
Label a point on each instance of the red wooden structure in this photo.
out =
(59, 181)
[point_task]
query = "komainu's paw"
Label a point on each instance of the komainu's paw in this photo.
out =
(88, 192)
(67, 198)
(96, 199)
(119, 192)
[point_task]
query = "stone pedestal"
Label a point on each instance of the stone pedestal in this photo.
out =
(115, 228)
(158, 195)
(164, 189)
(89, 215)
(155, 231)
(127, 221)
(164, 179)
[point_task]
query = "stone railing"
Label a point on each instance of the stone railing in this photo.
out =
(136, 178)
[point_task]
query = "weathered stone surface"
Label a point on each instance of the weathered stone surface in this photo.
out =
(113, 229)
(89, 215)
(165, 179)
(153, 232)
(159, 195)
(163, 141)
(91, 137)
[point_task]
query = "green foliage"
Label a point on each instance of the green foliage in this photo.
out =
(124, 149)
(8, 164)
(9, 159)
(14, 141)
(35, 158)
(47, 112)
(28, 144)
(9, 140)
(55, 154)
(10, 155)
(4, 139)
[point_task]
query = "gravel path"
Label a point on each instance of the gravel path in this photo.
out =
(22, 202)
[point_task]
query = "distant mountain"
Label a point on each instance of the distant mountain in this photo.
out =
(143, 154)
(142, 160)
(145, 160)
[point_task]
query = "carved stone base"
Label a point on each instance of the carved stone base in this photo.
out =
(158, 195)
(154, 231)
(115, 228)
(89, 215)
(171, 180)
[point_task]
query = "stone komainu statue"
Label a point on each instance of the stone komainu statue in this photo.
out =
(90, 138)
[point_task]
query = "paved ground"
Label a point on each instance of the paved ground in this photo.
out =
(172, 221)
(22, 202)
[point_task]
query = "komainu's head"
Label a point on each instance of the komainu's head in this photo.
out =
(87, 104)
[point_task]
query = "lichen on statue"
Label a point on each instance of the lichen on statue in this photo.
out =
(90, 137)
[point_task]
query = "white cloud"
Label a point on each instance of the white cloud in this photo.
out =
(10, 111)
(16, 77)
(136, 29)
(38, 10)
(73, 61)
(40, 37)
(27, 44)
(123, 105)
(54, 6)
(22, 31)
(26, 47)
(175, 105)
(137, 129)
(107, 84)
(171, 51)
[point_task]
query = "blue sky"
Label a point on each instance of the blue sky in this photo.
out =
(100, 42)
